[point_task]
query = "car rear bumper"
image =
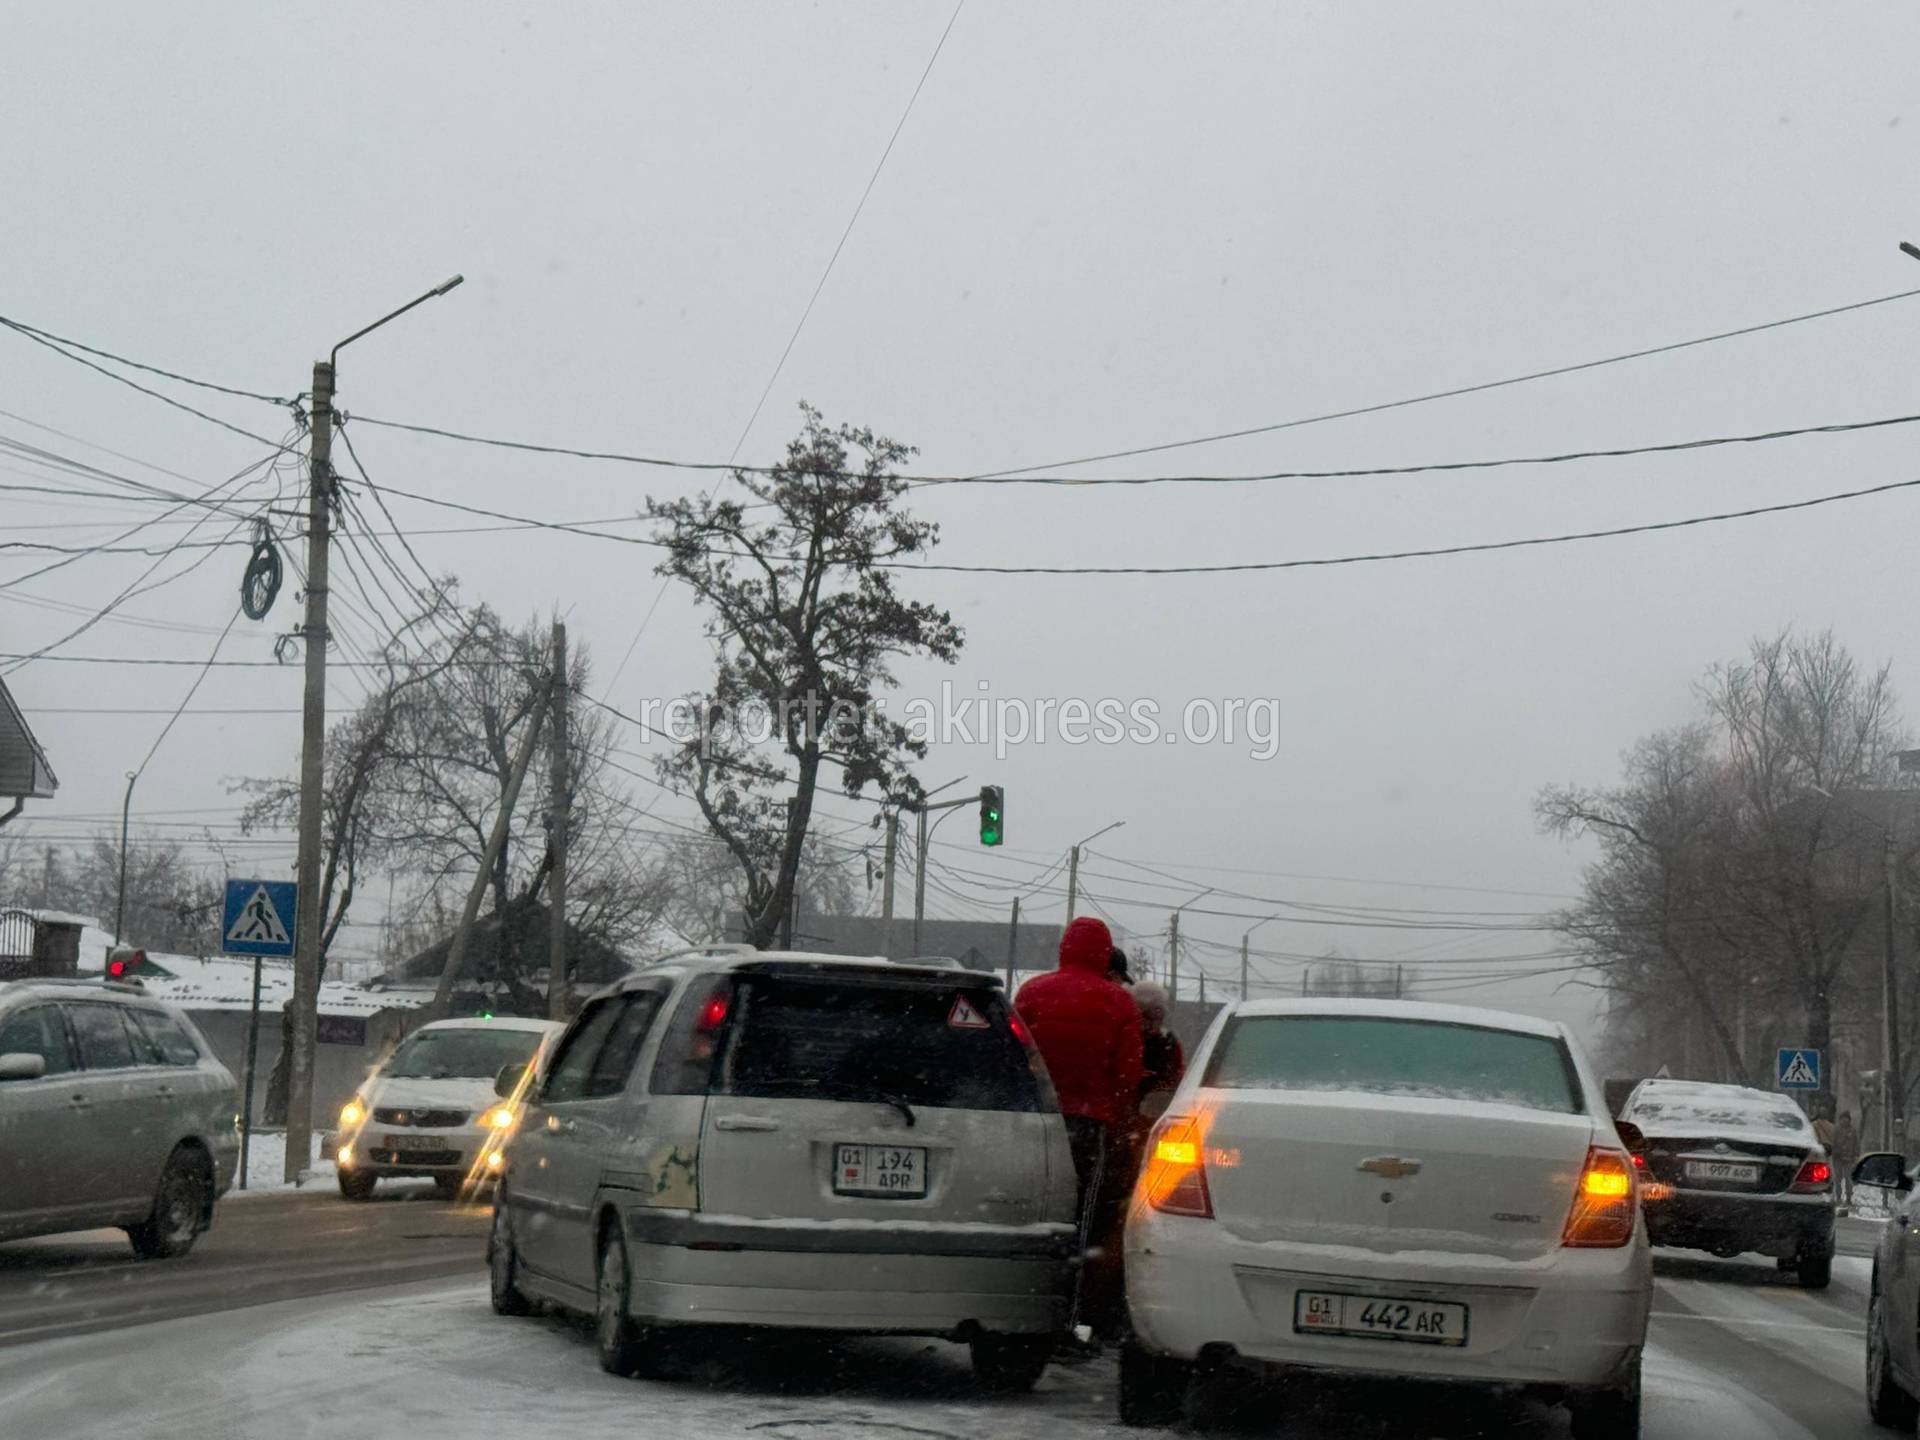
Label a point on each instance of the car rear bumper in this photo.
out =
(1571, 1319)
(903, 1279)
(1779, 1225)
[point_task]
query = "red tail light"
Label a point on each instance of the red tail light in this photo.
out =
(1604, 1202)
(713, 1014)
(1020, 1031)
(1176, 1176)
(1814, 1176)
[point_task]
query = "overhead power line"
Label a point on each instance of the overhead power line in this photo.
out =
(1226, 567)
(1460, 390)
(35, 330)
(1615, 452)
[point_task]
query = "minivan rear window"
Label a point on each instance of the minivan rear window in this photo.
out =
(827, 1038)
(1386, 1056)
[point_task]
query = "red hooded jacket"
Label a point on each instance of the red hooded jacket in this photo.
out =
(1087, 1029)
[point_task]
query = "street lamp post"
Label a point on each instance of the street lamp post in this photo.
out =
(313, 734)
(120, 906)
(1173, 946)
(1245, 968)
(1073, 866)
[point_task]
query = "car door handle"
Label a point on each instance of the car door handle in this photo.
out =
(81, 1102)
(745, 1122)
(557, 1126)
(164, 1091)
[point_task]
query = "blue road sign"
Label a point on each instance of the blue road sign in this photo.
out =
(1797, 1070)
(259, 918)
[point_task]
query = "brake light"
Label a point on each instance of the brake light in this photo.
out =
(1176, 1178)
(1639, 1161)
(713, 1014)
(1019, 1028)
(1604, 1202)
(1814, 1176)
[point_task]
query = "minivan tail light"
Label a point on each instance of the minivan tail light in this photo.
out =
(1815, 1177)
(1176, 1177)
(1605, 1202)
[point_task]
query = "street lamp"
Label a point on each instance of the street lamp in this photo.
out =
(1243, 950)
(313, 734)
(1073, 866)
(1173, 945)
(120, 906)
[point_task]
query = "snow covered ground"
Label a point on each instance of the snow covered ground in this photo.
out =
(266, 1165)
(431, 1360)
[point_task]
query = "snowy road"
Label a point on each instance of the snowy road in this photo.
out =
(1736, 1352)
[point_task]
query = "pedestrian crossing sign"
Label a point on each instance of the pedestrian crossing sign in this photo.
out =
(259, 918)
(1798, 1069)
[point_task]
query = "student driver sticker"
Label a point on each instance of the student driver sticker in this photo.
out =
(965, 1017)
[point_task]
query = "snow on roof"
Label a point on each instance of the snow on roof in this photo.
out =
(497, 1022)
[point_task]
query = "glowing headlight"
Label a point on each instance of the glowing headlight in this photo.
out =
(500, 1117)
(352, 1113)
(496, 1160)
(345, 1157)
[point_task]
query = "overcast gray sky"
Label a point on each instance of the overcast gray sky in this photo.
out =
(1101, 227)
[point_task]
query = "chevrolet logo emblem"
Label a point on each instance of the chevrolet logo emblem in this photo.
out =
(1390, 1167)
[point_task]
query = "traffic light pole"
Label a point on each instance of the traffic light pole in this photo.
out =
(922, 810)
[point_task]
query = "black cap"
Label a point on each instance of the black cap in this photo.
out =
(1117, 966)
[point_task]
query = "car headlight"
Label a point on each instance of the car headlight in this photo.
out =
(500, 1117)
(352, 1113)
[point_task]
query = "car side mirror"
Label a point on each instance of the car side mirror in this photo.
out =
(1884, 1170)
(1631, 1135)
(507, 1083)
(20, 1065)
(1155, 1102)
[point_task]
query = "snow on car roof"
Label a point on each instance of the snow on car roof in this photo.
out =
(492, 1022)
(1408, 1010)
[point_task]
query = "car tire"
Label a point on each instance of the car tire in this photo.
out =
(621, 1342)
(179, 1208)
(1609, 1414)
(1153, 1388)
(1888, 1401)
(358, 1184)
(448, 1186)
(1010, 1364)
(1815, 1271)
(503, 1265)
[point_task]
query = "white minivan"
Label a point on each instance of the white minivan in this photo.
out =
(1389, 1188)
(810, 1142)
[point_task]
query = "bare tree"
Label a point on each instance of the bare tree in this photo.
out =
(1740, 851)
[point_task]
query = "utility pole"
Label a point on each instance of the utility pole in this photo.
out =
(919, 875)
(886, 886)
(1246, 970)
(304, 1008)
(1173, 959)
(793, 896)
(313, 737)
(457, 951)
(559, 786)
(1013, 942)
(1073, 881)
(1893, 1118)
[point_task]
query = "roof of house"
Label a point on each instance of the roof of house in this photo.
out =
(24, 769)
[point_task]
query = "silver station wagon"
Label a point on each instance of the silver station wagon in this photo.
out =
(811, 1142)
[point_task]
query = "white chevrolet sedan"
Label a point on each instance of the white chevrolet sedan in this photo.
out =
(1387, 1188)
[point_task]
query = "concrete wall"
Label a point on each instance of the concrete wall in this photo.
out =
(338, 1069)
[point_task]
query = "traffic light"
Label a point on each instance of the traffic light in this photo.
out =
(123, 961)
(992, 807)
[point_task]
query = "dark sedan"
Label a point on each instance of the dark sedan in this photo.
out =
(1732, 1170)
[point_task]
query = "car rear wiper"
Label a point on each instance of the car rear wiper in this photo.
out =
(903, 1107)
(865, 1095)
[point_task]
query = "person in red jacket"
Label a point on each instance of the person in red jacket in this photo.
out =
(1087, 1029)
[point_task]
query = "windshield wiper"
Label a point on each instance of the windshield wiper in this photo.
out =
(841, 1090)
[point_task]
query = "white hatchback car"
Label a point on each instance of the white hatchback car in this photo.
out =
(431, 1108)
(1388, 1188)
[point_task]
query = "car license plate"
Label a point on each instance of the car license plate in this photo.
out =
(1377, 1317)
(894, 1171)
(1723, 1171)
(417, 1142)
